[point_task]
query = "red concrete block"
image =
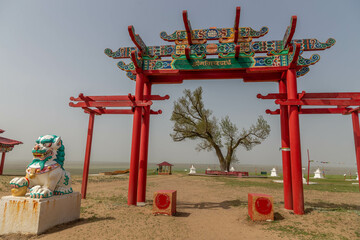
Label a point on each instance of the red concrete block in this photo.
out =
(260, 207)
(164, 202)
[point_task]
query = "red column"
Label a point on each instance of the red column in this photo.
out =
(356, 128)
(144, 143)
(2, 163)
(135, 144)
(285, 147)
(87, 155)
(308, 176)
(295, 148)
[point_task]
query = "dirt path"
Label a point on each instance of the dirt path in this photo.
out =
(208, 208)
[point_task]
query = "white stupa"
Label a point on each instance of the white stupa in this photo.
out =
(318, 174)
(208, 169)
(273, 173)
(303, 178)
(357, 176)
(232, 169)
(192, 170)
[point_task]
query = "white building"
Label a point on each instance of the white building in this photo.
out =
(273, 173)
(318, 174)
(192, 170)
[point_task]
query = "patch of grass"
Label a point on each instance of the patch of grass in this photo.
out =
(114, 199)
(110, 178)
(287, 230)
(332, 185)
(238, 182)
(357, 234)
(84, 209)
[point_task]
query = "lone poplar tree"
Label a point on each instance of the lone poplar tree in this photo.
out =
(193, 121)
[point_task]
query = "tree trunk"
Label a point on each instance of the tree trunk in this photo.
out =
(218, 154)
(223, 166)
(228, 166)
(228, 158)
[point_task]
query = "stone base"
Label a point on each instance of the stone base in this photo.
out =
(164, 202)
(260, 207)
(28, 215)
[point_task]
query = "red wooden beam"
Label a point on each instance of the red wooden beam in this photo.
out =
(336, 95)
(356, 129)
(236, 26)
(313, 111)
(187, 27)
(111, 104)
(83, 98)
(319, 102)
(2, 162)
(87, 155)
(290, 32)
(293, 63)
(156, 97)
(88, 110)
(139, 43)
(155, 112)
(187, 53)
(352, 110)
(117, 111)
(237, 51)
(101, 98)
(137, 64)
(119, 98)
(276, 112)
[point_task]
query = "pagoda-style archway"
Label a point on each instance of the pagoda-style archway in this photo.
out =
(6, 145)
(237, 59)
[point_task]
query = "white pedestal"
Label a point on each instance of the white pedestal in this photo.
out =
(192, 170)
(34, 216)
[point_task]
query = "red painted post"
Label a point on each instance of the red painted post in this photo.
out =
(2, 163)
(135, 144)
(87, 155)
(295, 146)
(356, 128)
(144, 143)
(285, 147)
(308, 176)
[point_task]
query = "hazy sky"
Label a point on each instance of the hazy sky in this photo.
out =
(51, 50)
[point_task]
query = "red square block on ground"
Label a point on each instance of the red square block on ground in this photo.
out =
(164, 202)
(260, 207)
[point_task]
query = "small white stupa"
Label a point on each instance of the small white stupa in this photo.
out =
(232, 169)
(318, 174)
(192, 170)
(303, 177)
(357, 176)
(208, 169)
(273, 173)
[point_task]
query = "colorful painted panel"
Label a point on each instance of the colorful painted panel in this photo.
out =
(222, 63)
(222, 48)
(214, 33)
(302, 71)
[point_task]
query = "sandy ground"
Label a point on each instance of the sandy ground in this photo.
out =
(208, 208)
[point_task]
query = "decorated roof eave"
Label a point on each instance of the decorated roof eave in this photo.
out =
(222, 63)
(9, 142)
(235, 50)
(271, 47)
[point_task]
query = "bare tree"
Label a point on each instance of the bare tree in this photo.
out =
(193, 121)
